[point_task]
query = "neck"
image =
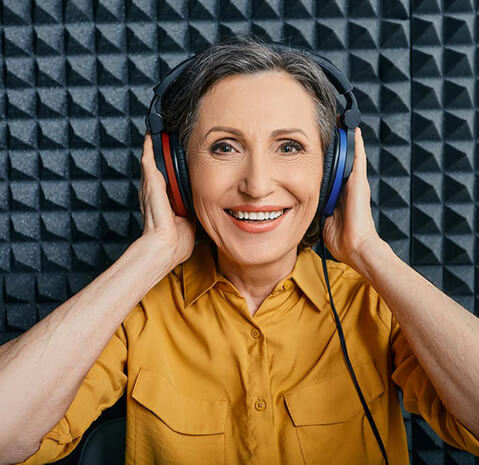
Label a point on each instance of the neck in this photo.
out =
(255, 281)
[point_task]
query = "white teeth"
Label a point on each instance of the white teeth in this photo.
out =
(256, 215)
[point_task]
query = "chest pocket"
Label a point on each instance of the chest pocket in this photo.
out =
(172, 428)
(330, 422)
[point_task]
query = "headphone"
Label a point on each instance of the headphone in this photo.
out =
(338, 164)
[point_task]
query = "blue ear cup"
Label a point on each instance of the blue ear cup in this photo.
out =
(338, 164)
(328, 166)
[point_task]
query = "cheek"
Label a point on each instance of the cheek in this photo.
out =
(305, 183)
(207, 184)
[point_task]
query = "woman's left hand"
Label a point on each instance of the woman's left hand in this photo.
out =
(351, 226)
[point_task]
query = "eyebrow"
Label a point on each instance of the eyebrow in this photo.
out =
(238, 132)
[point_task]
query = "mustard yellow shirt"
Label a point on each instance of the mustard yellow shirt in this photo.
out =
(209, 384)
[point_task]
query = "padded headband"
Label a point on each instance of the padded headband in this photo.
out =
(350, 118)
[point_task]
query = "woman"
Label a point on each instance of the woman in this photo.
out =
(227, 348)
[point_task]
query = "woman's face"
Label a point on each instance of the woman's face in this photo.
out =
(256, 143)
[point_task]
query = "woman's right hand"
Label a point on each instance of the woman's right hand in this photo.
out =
(175, 233)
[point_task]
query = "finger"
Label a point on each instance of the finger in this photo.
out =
(147, 157)
(144, 169)
(360, 160)
(149, 167)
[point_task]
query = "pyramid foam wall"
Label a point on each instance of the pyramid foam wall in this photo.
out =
(76, 80)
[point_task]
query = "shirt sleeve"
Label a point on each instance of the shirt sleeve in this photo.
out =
(102, 386)
(420, 396)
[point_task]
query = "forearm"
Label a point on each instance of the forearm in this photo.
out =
(42, 370)
(443, 335)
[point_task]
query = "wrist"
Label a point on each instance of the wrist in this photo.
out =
(373, 253)
(156, 258)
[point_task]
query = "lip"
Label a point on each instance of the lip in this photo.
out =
(262, 227)
(252, 208)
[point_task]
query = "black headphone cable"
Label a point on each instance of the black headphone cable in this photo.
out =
(343, 345)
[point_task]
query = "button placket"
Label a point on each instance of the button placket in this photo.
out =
(259, 394)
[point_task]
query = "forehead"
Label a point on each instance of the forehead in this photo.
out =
(271, 96)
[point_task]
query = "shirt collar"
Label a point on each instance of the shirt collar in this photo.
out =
(200, 274)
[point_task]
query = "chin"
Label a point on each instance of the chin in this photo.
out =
(256, 252)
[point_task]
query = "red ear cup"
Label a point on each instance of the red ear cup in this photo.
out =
(180, 164)
(173, 191)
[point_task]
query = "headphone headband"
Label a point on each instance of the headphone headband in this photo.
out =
(350, 118)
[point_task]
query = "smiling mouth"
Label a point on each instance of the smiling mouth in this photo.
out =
(228, 211)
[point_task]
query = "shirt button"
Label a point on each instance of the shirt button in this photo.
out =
(260, 404)
(255, 333)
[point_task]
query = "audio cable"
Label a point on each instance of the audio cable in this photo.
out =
(343, 345)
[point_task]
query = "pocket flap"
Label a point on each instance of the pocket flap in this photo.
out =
(335, 399)
(181, 413)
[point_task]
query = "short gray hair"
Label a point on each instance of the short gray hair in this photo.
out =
(247, 54)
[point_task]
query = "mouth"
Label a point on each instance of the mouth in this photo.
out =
(257, 217)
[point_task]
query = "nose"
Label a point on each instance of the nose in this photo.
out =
(257, 179)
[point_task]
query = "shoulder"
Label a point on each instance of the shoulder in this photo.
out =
(346, 271)
(352, 287)
(164, 296)
(337, 269)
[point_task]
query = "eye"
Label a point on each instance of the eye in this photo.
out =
(221, 145)
(294, 144)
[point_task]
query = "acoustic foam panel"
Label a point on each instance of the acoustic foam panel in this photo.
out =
(77, 77)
